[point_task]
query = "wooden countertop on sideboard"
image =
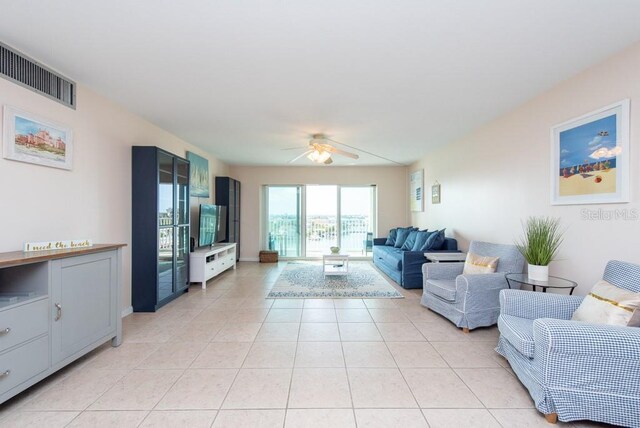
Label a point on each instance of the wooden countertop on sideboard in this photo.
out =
(17, 258)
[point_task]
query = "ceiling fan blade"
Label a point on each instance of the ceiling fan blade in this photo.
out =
(329, 161)
(332, 149)
(296, 148)
(300, 156)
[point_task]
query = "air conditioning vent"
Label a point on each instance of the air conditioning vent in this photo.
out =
(24, 71)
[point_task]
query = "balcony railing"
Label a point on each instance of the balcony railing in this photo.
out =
(321, 234)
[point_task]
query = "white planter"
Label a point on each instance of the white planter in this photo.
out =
(539, 273)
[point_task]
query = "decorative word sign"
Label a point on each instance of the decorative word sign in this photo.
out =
(57, 245)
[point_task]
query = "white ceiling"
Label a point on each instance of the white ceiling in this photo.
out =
(245, 78)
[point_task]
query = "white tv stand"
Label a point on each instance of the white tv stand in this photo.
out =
(205, 263)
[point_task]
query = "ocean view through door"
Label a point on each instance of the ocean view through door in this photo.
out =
(306, 220)
(321, 219)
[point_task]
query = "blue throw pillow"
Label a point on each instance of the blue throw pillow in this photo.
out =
(421, 238)
(410, 241)
(434, 241)
(403, 234)
(391, 239)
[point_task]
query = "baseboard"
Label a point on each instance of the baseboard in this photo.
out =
(127, 311)
(249, 259)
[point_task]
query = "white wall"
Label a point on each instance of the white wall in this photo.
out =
(391, 183)
(93, 200)
(500, 174)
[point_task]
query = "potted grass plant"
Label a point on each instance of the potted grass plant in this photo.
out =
(539, 246)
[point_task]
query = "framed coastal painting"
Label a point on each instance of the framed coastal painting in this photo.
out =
(199, 175)
(416, 190)
(590, 158)
(34, 139)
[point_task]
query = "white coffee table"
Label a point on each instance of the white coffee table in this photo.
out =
(445, 257)
(335, 264)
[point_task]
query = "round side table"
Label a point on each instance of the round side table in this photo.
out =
(553, 282)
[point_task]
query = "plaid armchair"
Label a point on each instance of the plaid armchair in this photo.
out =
(469, 301)
(573, 370)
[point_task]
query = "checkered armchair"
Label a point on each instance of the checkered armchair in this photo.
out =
(470, 301)
(573, 370)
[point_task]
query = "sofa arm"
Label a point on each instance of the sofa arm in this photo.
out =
(441, 270)
(532, 305)
(599, 359)
(379, 241)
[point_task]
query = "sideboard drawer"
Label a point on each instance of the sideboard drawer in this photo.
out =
(23, 322)
(23, 363)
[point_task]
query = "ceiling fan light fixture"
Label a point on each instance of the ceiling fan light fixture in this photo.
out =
(319, 156)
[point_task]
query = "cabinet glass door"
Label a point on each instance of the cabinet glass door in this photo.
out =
(182, 192)
(165, 262)
(165, 190)
(182, 257)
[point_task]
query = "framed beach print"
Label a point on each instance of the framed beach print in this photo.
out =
(590, 158)
(33, 139)
(416, 190)
(199, 175)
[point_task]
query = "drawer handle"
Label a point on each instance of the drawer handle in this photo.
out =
(58, 311)
(5, 331)
(5, 373)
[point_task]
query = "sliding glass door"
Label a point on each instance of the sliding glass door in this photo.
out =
(305, 221)
(357, 207)
(283, 220)
(321, 219)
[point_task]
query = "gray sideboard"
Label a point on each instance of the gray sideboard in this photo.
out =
(55, 306)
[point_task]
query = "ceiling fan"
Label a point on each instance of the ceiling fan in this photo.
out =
(320, 151)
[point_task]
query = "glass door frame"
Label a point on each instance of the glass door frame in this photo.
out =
(302, 216)
(264, 240)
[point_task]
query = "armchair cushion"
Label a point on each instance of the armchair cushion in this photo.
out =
(519, 332)
(608, 304)
(444, 288)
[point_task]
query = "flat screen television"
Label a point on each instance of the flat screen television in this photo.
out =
(213, 219)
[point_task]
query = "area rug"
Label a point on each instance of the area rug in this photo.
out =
(305, 280)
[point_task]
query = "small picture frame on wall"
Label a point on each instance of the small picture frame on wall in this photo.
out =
(590, 157)
(435, 193)
(34, 139)
(416, 190)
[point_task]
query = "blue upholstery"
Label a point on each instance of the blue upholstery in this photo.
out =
(577, 370)
(434, 241)
(403, 234)
(474, 301)
(410, 241)
(421, 238)
(404, 267)
(391, 239)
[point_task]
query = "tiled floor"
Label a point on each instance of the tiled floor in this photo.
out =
(228, 357)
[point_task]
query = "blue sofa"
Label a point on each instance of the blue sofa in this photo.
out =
(405, 267)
